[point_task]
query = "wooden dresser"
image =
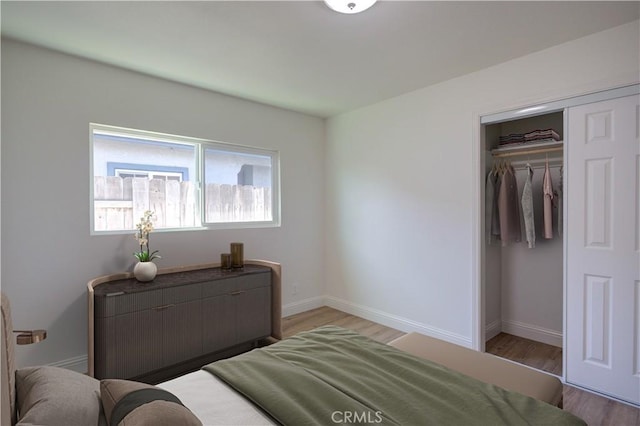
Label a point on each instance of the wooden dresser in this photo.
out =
(183, 319)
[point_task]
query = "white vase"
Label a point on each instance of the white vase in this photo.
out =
(145, 271)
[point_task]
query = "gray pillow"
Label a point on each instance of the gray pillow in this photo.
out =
(57, 396)
(128, 403)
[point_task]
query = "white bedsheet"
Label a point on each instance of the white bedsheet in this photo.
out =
(213, 402)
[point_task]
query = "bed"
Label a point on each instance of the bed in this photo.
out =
(329, 375)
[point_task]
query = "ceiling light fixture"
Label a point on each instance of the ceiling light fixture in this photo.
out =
(350, 6)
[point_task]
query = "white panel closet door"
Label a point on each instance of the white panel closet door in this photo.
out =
(603, 248)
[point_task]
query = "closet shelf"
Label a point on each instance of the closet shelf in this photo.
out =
(527, 149)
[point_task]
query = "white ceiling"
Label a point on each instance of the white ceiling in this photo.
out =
(301, 55)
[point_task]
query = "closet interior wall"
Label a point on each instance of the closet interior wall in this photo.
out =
(523, 286)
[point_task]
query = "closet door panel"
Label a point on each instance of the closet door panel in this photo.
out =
(598, 320)
(598, 202)
(599, 126)
(638, 201)
(603, 262)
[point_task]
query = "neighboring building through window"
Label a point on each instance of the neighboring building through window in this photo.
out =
(186, 182)
(148, 171)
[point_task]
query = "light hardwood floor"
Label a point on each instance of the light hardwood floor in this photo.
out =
(594, 409)
(529, 352)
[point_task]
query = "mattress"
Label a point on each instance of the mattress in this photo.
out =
(211, 399)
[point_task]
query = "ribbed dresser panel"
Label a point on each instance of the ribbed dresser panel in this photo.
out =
(139, 338)
(218, 322)
(104, 338)
(182, 326)
(128, 345)
(253, 315)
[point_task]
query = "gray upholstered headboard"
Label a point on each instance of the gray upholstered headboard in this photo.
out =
(8, 368)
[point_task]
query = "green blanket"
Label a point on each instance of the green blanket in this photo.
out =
(331, 376)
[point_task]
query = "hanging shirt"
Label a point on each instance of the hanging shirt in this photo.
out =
(490, 206)
(509, 208)
(527, 209)
(492, 223)
(547, 194)
(495, 216)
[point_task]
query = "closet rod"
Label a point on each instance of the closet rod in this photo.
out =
(526, 152)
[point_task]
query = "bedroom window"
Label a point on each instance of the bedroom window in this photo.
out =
(188, 183)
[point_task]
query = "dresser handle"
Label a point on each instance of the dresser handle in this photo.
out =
(236, 293)
(163, 307)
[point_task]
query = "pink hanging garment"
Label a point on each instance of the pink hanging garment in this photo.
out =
(547, 194)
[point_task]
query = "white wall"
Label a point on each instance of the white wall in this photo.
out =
(48, 101)
(403, 188)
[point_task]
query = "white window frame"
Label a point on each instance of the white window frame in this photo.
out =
(200, 145)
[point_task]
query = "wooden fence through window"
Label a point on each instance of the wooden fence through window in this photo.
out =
(120, 203)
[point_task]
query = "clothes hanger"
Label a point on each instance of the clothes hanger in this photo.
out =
(528, 166)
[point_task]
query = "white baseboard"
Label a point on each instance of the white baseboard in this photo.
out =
(302, 306)
(78, 363)
(533, 332)
(492, 329)
(393, 321)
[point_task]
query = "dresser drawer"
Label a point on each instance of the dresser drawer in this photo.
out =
(182, 294)
(124, 303)
(226, 286)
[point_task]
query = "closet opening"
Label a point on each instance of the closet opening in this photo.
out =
(523, 239)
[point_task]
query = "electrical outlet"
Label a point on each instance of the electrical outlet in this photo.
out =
(295, 288)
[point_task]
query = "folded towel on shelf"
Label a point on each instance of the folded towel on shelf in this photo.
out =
(512, 138)
(542, 134)
(533, 136)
